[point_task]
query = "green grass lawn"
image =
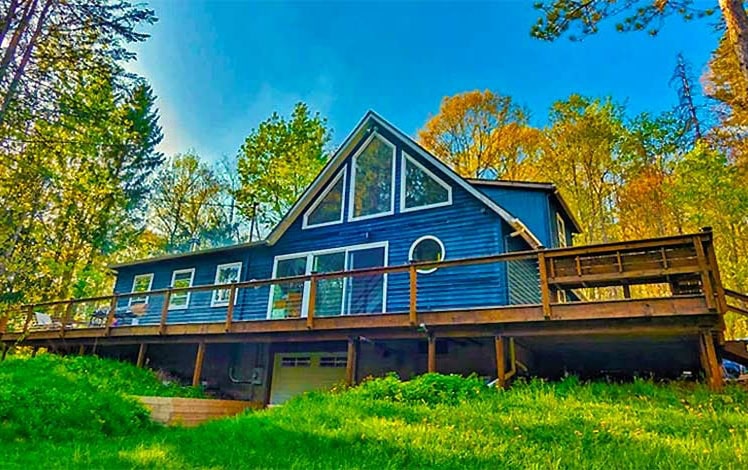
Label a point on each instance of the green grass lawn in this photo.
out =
(433, 421)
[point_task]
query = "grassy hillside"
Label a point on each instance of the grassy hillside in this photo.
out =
(434, 421)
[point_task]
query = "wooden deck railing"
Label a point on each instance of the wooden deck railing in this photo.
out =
(686, 264)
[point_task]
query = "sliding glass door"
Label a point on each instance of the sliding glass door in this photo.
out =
(336, 296)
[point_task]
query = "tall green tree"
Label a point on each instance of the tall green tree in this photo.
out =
(189, 208)
(277, 162)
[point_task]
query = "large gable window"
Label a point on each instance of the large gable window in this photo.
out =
(373, 175)
(420, 188)
(328, 209)
(225, 274)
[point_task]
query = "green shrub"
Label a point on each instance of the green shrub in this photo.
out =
(429, 389)
(65, 398)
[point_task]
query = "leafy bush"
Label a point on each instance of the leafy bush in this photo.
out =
(429, 389)
(66, 397)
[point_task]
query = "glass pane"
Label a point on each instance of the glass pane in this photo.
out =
(365, 293)
(287, 297)
(330, 207)
(141, 283)
(181, 299)
(421, 189)
(329, 298)
(226, 275)
(373, 179)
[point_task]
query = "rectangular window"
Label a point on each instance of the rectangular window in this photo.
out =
(296, 361)
(225, 274)
(141, 283)
(333, 361)
(181, 278)
(561, 231)
(286, 298)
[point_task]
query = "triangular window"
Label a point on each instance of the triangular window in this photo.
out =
(421, 189)
(328, 209)
(373, 175)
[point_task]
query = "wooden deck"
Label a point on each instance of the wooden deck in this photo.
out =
(657, 287)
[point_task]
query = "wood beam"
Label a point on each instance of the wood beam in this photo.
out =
(351, 360)
(413, 298)
(432, 353)
(706, 281)
(141, 354)
(709, 361)
(500, 362)
(545, 292)
(198, 364)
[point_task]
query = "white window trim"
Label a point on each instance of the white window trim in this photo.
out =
(561, 231)
(407, 159)
(213, 301)
(305, 223)
(310, 257)
(419, 240)
(135, 282)
(352, 189)
(192, 279)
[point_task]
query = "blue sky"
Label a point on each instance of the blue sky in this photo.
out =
(220, 68)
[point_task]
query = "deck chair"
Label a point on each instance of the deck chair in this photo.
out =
(43, 321)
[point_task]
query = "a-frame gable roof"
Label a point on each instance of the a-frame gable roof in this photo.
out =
(369, 123)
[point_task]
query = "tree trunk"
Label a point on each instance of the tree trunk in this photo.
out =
(736, 20)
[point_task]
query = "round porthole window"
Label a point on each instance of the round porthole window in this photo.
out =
(424, 249)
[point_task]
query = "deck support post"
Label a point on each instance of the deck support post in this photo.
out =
(5, 349)
(709, 361)
(431, 353)
(141, 354)
(82, 350)
(198, 363)
(500, 362)
(350, 365)
(34, 351)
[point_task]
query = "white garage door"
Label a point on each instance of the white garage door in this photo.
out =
(295, 373)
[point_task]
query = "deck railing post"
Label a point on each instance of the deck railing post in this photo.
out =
(29, 316)
(312, 302)
(706, 281)
(4, 324)
(66, 318)
(545, 292)
(164, 313)
(413, 305)
(110, 315)
(230, 307)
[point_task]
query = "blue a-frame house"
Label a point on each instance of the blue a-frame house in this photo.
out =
(381, 200)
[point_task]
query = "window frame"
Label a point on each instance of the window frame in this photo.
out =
(419, 240)
(561, 232)
(305, 222)
(135, 282)
(309, 255)
(393, 180)
(404, 180)
(213, 301)
(187, 300)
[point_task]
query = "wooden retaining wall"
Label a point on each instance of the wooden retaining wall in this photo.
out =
(193, 411)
